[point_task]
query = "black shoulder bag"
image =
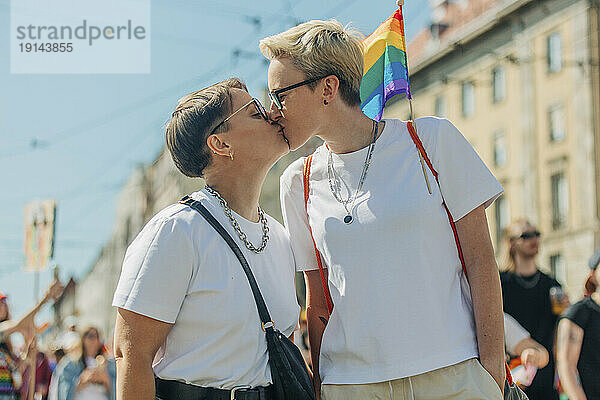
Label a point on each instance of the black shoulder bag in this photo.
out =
(291, 379)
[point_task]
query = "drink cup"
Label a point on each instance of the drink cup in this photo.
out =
(557, 297)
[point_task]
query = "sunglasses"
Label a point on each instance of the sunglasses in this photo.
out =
(259, 107)
(530, 235)
(274, 95)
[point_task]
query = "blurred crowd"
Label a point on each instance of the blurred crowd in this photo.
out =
(552, 344)
(78, 365)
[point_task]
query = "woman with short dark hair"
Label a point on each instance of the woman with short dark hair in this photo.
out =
(183, 298)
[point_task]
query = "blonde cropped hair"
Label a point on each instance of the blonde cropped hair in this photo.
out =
(322, 48)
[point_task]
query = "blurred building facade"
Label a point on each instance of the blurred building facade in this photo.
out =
(520, 79)
(148, 190)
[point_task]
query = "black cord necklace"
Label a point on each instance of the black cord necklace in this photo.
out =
(528, 283)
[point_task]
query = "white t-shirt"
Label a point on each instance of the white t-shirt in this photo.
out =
(401, 304)
(180, 270)
(514, 333)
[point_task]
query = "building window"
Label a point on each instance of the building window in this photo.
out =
(560, 200)
(500, 150)
(558, 267)
(556, 122)
(498, 84)
(440, 106)
(502, 216)
(468, 99)
(555, 62)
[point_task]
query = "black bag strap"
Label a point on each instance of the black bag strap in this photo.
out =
(263, 312)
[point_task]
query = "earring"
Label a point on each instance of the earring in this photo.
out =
(231, 156)
(325, 102)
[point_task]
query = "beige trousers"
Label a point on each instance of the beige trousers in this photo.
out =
(467, 380)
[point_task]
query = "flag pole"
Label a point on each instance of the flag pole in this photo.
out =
(411, 118)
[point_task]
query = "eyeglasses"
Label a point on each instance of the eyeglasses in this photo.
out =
(274, 95)
(259, 107)
(530, 235)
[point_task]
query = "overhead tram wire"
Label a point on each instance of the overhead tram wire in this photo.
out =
(218, 68)
(123, 111)
(112, 162)
(133, 107)
(126, 110)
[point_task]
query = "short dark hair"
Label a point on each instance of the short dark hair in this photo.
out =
(193, 120)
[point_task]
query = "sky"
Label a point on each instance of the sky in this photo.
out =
(76, 138)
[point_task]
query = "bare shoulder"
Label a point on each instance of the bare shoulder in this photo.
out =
(569, 332)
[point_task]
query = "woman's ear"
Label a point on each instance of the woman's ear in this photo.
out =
(218, 145)
(331, 85)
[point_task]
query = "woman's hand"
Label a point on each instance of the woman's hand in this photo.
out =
(100, 376)
(532, 353)
(85, 378)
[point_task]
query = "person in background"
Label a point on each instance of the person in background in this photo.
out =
(524, 355)
(526, 293)
(43, 374)
(578, 345)
(520, 344)
(92, 376)
(8, 360)
(11, 366)
(70, 335)
(57, 354)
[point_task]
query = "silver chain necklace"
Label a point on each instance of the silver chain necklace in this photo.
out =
(336, 188)
(243, 237)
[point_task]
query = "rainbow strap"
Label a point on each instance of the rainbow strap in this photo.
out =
(386, 66)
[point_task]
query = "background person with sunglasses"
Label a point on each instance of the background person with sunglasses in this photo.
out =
(183, 295)
(526, 293)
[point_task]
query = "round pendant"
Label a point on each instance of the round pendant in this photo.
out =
(348, 219)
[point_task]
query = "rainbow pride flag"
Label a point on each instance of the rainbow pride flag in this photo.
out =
(386, 66)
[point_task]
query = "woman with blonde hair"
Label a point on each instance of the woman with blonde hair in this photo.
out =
(527, 298)
(403, 318)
